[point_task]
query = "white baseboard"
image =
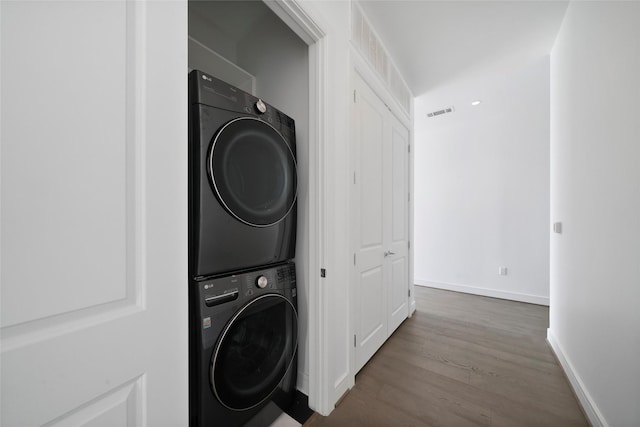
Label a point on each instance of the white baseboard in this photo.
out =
(494, 293)
(588, 406)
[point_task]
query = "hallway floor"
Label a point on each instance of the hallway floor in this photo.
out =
(462, 360)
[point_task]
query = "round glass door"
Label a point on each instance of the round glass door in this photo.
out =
(254, 352)
(253, 172)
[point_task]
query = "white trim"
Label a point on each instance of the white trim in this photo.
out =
(353, 192)
(318, 349)
(391, 65)
(412, 198)
(294, 15)
(586, 401)
(493, 293)
(362, 67)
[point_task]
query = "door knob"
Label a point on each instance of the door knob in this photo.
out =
(388, 253)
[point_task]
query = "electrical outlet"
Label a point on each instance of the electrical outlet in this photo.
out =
(502, 271)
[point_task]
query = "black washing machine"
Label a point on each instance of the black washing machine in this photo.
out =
(242, 180)
(243, 344)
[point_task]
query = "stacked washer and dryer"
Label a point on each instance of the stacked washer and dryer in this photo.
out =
(242, 235)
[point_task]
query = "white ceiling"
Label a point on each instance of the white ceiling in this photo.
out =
(436, 42)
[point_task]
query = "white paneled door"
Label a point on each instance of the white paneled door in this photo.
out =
(370, 296)
(94, 227)
(397, 226)
(380, 222)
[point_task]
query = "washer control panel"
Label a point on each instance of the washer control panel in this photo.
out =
(228, 289)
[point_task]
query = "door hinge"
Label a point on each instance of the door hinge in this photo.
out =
(409, 292)
(409, 244)
(408, 197)
(409, 147)
(323, 272)
(354, 177)
(354, 340)
(354, 258)
(354, 96)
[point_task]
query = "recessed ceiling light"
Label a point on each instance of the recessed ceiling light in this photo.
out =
(476, 102)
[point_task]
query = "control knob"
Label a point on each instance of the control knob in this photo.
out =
(261, 106)
(262, 282)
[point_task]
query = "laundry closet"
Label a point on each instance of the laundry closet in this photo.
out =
(245, 44)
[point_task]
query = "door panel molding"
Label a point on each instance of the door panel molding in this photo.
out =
(24, 325)
(120, 406)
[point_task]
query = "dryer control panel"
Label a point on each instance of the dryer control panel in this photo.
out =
(211, 91)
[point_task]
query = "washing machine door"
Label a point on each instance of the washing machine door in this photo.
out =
(254, 352)
(253, 171)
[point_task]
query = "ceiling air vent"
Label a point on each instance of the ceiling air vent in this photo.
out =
(441, 112)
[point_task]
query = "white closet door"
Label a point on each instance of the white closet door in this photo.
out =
(94, 227)
(380, 222)
(368, 227)
(397, 230)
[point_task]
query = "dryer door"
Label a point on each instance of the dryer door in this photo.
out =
(253, 171)
(254, 352)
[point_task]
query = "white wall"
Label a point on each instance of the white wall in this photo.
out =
(203, 30)
(482, 186)
(595, 192)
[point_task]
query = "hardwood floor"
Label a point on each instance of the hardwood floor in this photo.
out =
(462, 360)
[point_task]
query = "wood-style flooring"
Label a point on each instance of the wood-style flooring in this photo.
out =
(462, 360)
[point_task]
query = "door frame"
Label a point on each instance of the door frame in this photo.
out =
(311, 31)
(361, 67)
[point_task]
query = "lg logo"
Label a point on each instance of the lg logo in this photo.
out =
(209, 79)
